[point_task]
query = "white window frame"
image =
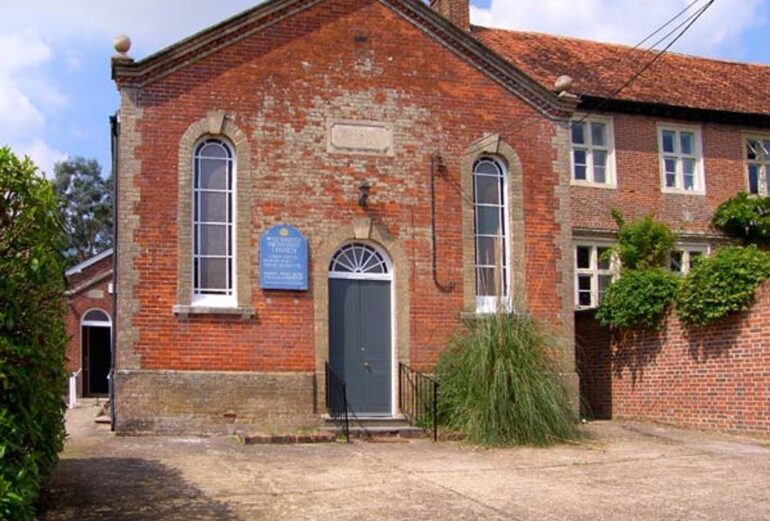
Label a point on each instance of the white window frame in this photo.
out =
(700, 177)
(611, 171)
(491, 304)
(229, 300)
(687, 250)
(593, 270)
(763, 181)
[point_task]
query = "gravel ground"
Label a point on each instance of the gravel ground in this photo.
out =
(621, 470)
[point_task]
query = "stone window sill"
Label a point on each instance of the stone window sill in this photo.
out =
(184, 311)
(473, 315)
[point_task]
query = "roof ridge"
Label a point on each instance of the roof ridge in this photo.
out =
(621, 46)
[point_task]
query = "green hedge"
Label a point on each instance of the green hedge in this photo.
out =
(639, 298)
(32, 336)
(721, 284)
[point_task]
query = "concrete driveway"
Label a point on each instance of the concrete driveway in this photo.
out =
(621, 471)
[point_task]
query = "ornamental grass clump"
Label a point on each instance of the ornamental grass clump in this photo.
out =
(500, 385)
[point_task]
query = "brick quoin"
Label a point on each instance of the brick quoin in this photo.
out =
(715, 378)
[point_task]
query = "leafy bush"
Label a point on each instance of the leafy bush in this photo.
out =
(638, 298)
(744, 217)
(499, 386)
(32, 335)
(722, 284)
(645, 243)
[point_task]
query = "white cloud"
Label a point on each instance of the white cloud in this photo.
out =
(151, 24)
(717, 33)
(22, 49)
(18, 113)
(41, 154)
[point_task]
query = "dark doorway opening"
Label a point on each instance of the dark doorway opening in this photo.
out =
(97, 360)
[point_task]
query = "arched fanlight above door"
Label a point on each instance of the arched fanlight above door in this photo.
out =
(359, 260)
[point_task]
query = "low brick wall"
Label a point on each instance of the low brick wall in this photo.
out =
(715, 378)
(189, 402)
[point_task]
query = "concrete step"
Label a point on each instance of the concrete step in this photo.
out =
(377, 427)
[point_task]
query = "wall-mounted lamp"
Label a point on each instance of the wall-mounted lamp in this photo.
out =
(439, 167)
(364, 190)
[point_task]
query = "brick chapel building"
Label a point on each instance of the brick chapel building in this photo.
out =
(347, 180)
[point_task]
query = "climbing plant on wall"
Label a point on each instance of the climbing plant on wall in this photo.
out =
(645, 289)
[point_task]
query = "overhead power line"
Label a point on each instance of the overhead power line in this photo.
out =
(687, 23)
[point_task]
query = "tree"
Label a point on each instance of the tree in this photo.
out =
(32, 335)
(86, 199)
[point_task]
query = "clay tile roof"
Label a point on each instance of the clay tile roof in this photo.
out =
(598, 69)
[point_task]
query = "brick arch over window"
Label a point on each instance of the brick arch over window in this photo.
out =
(215, 124)
(493, 147)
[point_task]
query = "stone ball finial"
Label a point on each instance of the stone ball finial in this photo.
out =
(122, 44)
(563, 83)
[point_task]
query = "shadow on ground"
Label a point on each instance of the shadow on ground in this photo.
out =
(125, 489)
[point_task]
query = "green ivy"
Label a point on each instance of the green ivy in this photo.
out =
(639, 298)
(644, 243)
(32, 335)
(745, 217)
(721, 284)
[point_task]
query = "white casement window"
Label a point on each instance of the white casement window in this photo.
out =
(683, 258)
(213, 226)
(491, 235)
(681, 159)
(593, 154)
(758, 165)
(593, 274)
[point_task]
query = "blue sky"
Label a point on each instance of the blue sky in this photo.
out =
(56, 94)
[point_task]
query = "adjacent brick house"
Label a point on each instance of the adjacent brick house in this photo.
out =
(433, 169)
(89, 299)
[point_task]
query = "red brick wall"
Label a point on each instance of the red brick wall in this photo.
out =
(638, 175)
(715, 378)
(281, 85)
(95, 296)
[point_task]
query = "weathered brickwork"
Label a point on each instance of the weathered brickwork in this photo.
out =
(639, 178)
(338, 60)
(715, 378)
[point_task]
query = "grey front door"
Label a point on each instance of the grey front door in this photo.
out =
(360, 344)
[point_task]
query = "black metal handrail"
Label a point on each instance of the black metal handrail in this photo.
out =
(337, 401)
(418, 398)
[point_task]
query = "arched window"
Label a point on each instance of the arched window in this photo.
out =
(491, 234)
(96, 317)
(213, 210)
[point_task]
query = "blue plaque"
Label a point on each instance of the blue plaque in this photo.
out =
(283, 259)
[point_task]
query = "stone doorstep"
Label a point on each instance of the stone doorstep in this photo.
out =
(287, 439)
